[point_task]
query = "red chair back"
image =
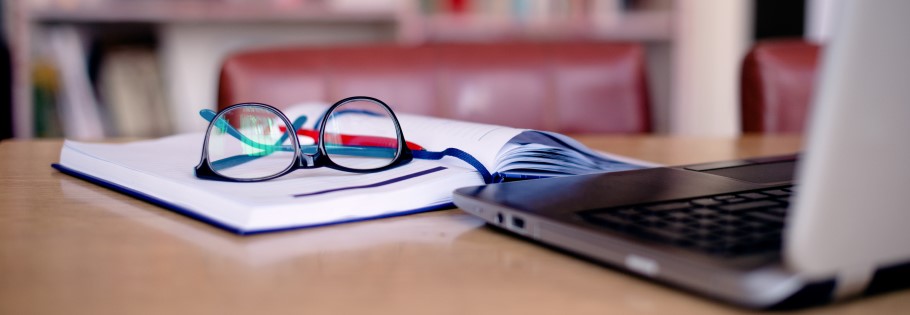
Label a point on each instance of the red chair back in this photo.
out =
(566, 87)
(777, 81)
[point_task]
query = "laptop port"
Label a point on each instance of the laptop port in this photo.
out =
(518, 223)
(499, 218)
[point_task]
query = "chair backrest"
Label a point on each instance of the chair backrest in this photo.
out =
(777, 81)
(565, 87)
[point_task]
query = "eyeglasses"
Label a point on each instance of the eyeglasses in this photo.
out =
(251, 142)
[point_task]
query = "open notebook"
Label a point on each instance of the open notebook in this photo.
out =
(161, 171)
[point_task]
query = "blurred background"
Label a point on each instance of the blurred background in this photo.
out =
(93, 69)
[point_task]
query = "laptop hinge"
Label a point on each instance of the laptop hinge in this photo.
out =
(852, 282)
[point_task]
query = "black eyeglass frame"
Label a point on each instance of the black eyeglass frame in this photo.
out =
(321, 158)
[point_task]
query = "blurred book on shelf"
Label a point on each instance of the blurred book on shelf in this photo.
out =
(212, 10)
(76, 101)
(543, 9)
(6, 84)
(45, 87)
(130, 87)
(119, 95)
(594, 19)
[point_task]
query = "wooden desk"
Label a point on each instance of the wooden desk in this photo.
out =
(67, 246)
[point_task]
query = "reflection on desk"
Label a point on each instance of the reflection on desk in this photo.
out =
(263, 251)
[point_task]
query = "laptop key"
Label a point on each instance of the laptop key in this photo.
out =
(706, 202)
(729, 229)
(678, 216)
(651, 220)
(779, 211)
(702, 234)
(704, 212)
(767, 217)
(753, 196)
(777, 192)
(601, 218)
(626, 212)
(749, 205)
(678, 226)
(756, 225)
(668, 206)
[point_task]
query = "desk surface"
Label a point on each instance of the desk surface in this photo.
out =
(67, 246)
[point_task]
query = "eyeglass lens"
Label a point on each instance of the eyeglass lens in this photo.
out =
(250, 142)
(361, 134)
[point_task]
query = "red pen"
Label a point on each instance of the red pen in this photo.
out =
(371, 141)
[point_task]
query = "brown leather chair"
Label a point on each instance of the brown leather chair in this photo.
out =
(565, 87)
(777, 81)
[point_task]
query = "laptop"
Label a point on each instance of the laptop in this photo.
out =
(774, 232)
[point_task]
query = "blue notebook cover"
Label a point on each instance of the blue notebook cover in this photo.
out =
(201, 217)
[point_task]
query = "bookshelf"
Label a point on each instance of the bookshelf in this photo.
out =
(187, 38)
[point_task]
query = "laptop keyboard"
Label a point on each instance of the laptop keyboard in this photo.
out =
(726, 225)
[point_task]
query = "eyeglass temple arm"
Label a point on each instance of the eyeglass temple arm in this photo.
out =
(297, 123)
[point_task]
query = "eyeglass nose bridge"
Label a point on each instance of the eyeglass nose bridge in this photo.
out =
(306, 160)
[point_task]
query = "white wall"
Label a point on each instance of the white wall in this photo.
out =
(821, 19)
(709, 41)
